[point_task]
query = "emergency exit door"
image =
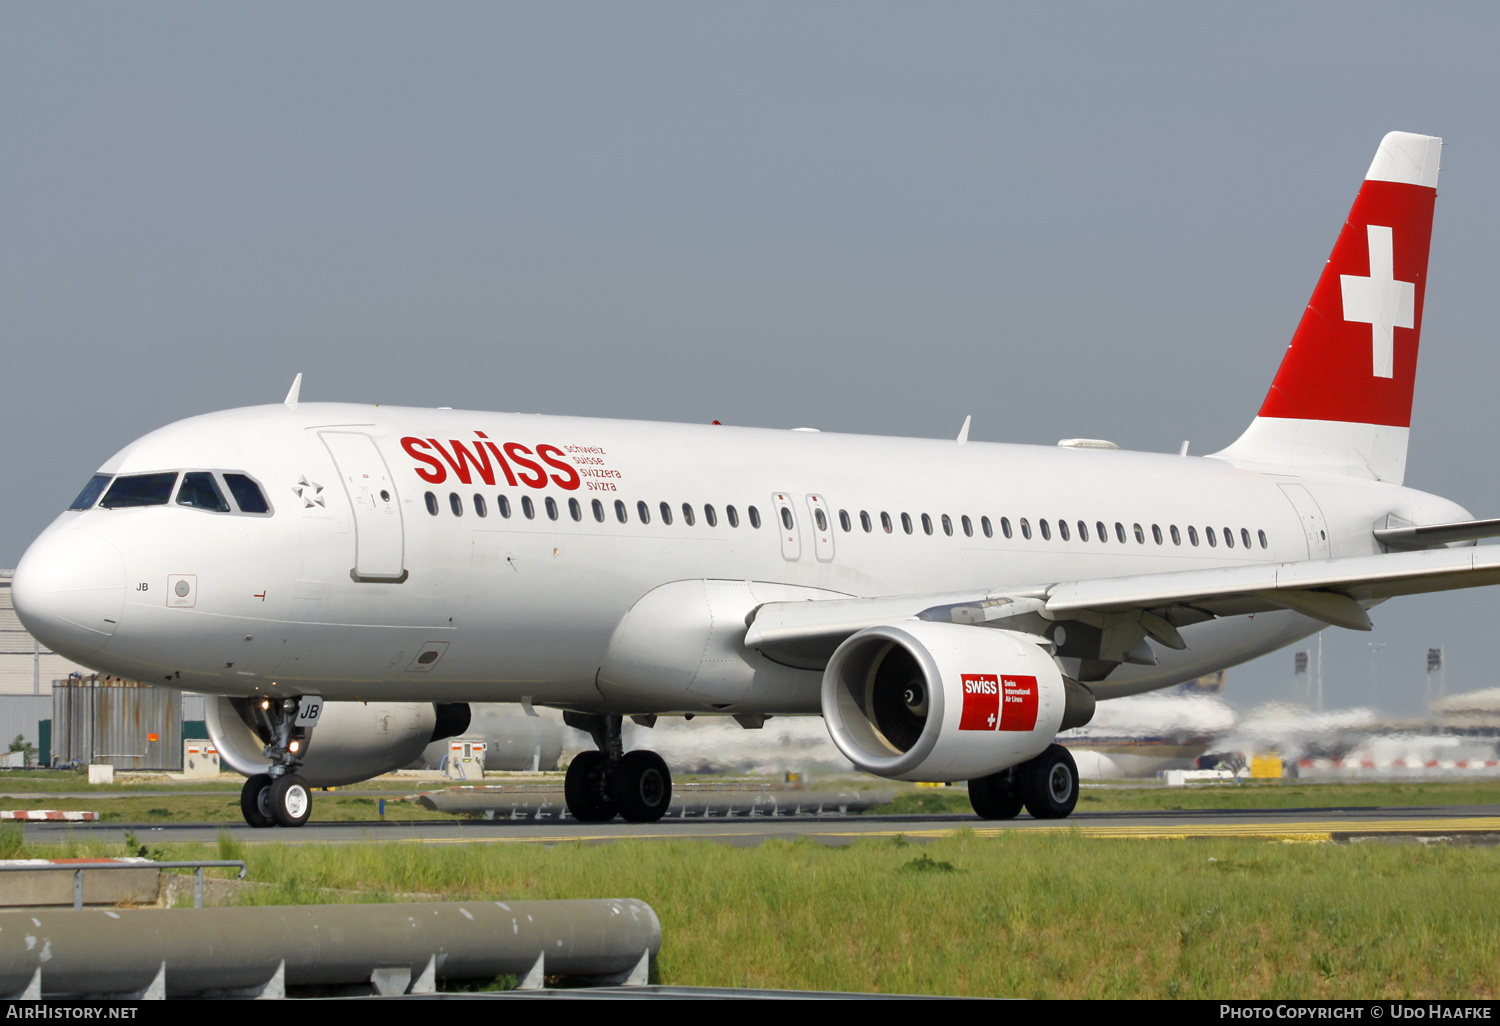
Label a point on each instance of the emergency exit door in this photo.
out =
(379, 539)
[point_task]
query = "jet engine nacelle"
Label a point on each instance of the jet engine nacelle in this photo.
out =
(353, 741)
(943, 701)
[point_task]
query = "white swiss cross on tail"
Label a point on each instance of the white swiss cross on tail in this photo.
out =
(1380, 301)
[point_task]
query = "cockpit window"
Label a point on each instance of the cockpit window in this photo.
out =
(247, 494)
(201, 491)
(91, 492)
(139, 490)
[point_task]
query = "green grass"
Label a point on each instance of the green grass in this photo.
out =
(1022, 914)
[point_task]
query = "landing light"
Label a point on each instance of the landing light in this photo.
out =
(295, 747)
(265, 703)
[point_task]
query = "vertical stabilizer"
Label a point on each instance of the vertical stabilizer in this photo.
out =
(1341, 401)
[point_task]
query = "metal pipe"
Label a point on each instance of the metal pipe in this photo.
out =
(119, 951)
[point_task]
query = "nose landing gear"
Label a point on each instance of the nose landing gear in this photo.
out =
(280, 797)
(636, 785)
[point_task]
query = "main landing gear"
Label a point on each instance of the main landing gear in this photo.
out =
(280, 797)
(1047, 786)
(636, 785)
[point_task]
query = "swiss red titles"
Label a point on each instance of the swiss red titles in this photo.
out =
(981, 701)
(998, 703)
(479, 459)
(1018, 703)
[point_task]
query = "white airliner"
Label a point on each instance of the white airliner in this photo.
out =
(947, 606)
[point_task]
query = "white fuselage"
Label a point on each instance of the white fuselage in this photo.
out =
(338, 593)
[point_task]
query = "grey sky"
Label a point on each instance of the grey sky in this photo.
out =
(1097, 220)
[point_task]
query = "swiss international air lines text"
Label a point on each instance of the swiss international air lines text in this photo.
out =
(479, 459)
(994, 702)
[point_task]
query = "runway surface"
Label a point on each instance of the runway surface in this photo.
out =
(1476, 823)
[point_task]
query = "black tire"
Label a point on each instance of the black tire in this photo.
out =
(253, 804)
(290, 800)
(587, 790)
(995, 797)
(641, 787)
(1049, 783)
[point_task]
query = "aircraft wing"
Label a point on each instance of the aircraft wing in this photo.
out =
(1336, 591)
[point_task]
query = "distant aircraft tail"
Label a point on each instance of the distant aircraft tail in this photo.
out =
(1341, 401)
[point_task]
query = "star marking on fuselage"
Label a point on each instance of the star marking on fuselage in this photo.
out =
(310, 492)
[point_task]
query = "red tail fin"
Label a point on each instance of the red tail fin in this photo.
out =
(1341, 401)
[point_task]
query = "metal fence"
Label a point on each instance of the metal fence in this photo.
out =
(123, 723)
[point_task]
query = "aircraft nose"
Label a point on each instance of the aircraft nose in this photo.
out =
(69, 591)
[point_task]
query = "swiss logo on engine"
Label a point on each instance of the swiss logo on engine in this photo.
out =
(1018, 703)
(981, 701)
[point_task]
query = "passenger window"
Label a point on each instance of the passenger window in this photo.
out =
(1046, 531)
(245, 491)
(502, 504)
(1140, 535)
(575, 510)
(968, 526)
(1210, 537)
(1062, 530)
(1228, 538)
(947, 526)
(864, 521)
(200, 491)
(1025, 529)
(432, 506)
(527, 509)
(885, 522)
(1176, 537)
(480, 507)
(906, 522)
(621, 513)
(91, 492)
(820, 519)
(754, 515)
(1193, 535)
(1101, 531)
(926, 524)
(1120, 532)
(1245, 536)
(733, 515)
(1083, 531)
(551, 508)
(1262, 535)
(455, 504)
(1156, 533)
(598, 511)
(666, 513)
(687, 514)
(643, 511)
(710, 516)
(844, 521)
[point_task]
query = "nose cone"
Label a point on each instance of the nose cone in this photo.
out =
(69, 591)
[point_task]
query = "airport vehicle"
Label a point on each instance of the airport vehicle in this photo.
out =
(347, 577)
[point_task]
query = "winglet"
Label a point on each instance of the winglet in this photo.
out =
(963, 434)
(295, 391)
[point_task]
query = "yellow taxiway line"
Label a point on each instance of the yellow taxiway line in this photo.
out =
(1307, 831)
